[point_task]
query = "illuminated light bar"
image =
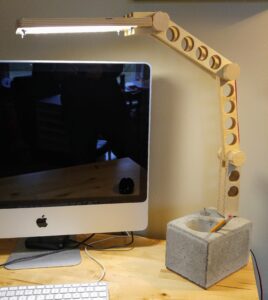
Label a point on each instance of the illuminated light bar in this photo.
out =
(81, 25)
(72, 29)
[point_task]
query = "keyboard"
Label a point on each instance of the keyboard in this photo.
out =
(78, 291)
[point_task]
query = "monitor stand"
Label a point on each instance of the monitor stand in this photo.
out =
(57, 254)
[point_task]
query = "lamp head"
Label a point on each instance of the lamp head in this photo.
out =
(81, 25)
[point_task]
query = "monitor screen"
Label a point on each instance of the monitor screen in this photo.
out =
(73, 134)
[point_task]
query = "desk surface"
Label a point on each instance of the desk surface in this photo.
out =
(139, 273)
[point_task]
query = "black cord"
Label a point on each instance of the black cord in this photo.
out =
(17, 260)
(259, 274)
(112, 247)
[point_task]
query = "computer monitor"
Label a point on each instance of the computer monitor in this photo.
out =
(74, 147)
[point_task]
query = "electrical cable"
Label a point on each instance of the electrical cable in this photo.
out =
(103, 270)
(90, 245)
(259, 274)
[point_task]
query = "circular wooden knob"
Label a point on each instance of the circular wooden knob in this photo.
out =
(236, 158)
(230, 72)
(160, 21)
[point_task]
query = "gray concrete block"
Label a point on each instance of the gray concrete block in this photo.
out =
(204, 257)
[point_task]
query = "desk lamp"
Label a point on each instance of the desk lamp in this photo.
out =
(193, 250)
(159, 25)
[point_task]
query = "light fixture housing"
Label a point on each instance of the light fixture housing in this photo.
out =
(80, 25)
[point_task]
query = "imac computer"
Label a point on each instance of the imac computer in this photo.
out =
(74, 147)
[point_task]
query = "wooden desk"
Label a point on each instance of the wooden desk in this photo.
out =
(139, 273)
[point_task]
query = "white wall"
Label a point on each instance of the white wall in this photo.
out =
(185, 118)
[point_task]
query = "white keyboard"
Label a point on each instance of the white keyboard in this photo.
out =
(80, 291)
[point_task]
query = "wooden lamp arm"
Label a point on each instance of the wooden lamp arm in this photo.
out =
(230, 156)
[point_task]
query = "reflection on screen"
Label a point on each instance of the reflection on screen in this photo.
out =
(71, 132)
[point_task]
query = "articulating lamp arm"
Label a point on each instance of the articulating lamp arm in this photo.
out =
(230, 156)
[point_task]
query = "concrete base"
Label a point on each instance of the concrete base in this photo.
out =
(204, 257)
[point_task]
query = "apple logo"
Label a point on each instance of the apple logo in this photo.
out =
(41, 222)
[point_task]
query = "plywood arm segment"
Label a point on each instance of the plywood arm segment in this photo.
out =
(230, 156)
(185, 43)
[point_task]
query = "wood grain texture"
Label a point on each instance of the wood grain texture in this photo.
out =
(139, 273)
